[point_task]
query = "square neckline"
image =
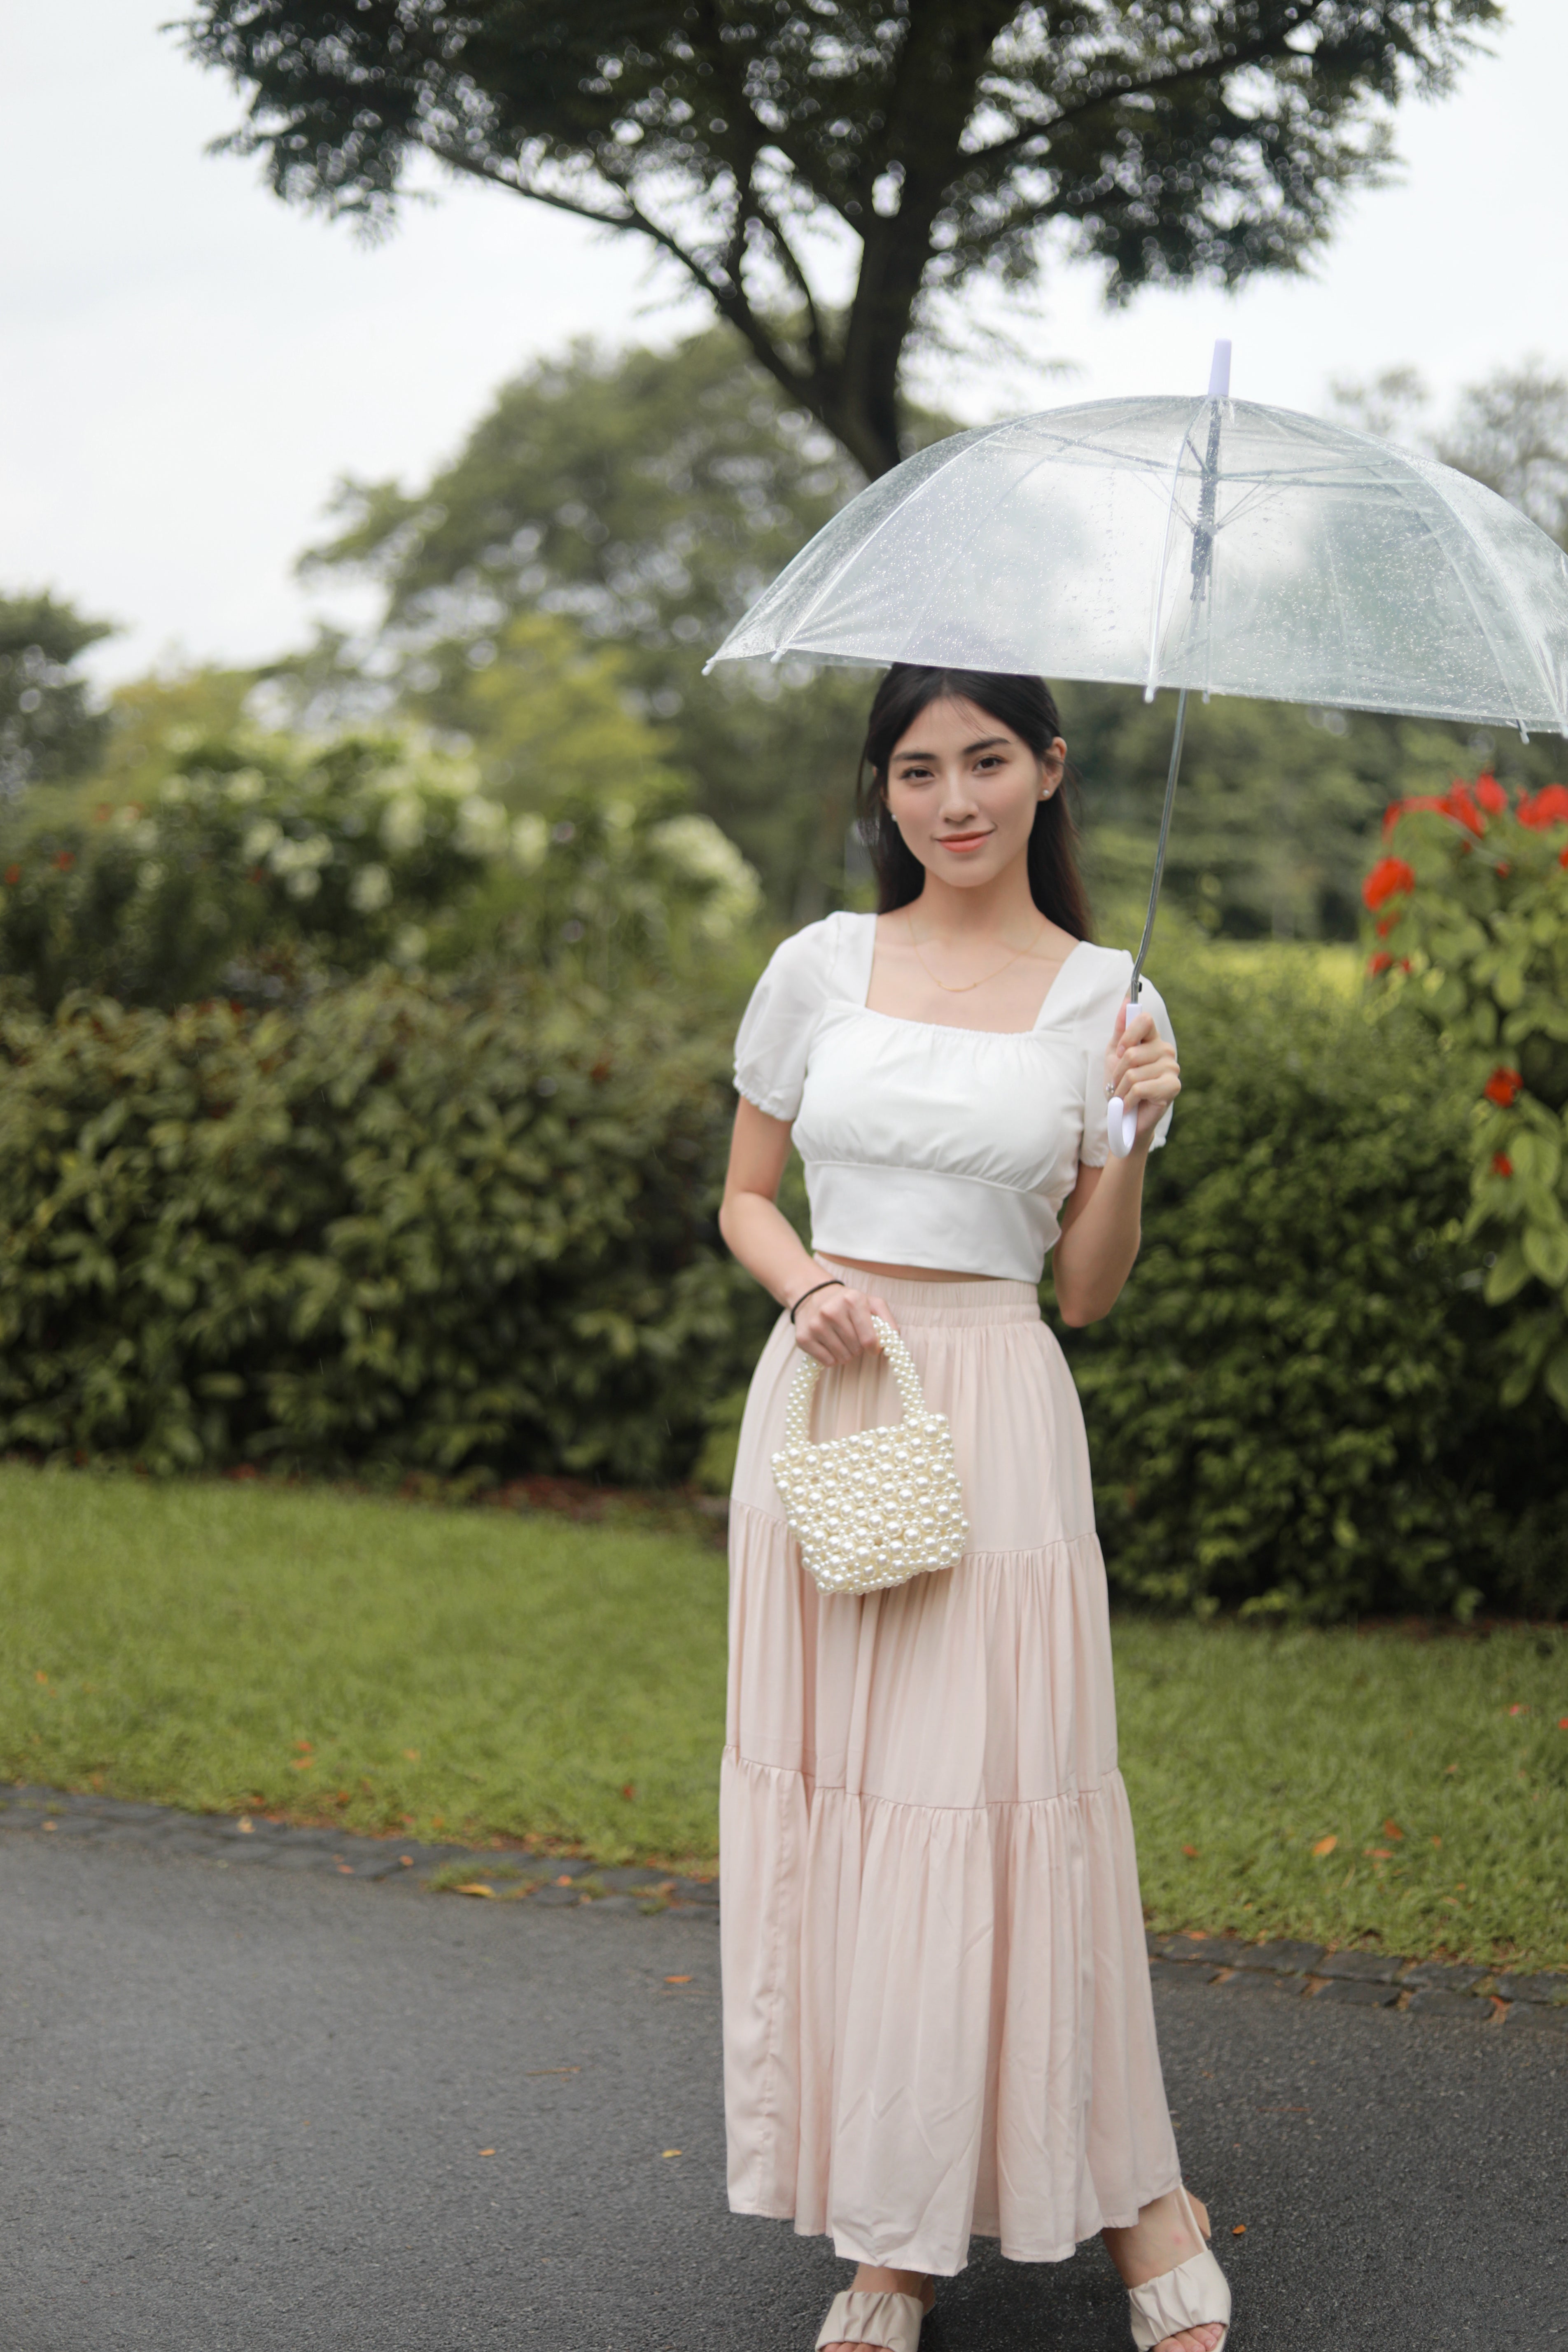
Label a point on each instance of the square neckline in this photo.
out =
(956, 1028)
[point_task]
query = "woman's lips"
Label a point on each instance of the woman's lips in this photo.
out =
(961, 841)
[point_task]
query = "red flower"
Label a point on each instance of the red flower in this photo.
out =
(1502, 1164)
(1389, 875)
(1380, 962)
(1547, 807)
(1491, 795)
(1460, 804)
(1387, 923)
(12, 875)
(1501, 1088)
(63, 859)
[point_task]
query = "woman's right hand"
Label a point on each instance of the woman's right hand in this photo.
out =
(835, 1325)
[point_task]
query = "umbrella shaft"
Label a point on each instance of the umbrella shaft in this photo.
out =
(1165, 835)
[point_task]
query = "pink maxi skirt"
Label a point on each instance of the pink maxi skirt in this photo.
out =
(937, 2018)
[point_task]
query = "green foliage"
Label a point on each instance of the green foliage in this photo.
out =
(648, 496)
(1279, 805)
(397, 1224)
(47, 729)
(265, 859)
(1471, 914)
(1293, 1408)
(755, 147)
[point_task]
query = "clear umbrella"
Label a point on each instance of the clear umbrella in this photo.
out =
(1214, 545)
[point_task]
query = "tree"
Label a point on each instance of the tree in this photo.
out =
(643, 497)
(1509, 431)
(47, 729)
(1169, 139)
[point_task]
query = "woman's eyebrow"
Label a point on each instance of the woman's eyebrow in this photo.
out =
(986, 743)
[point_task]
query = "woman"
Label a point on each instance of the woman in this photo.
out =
(937, 2018)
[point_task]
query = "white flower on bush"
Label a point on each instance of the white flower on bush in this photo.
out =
(259, 839)
(697, 848)
(529, 840)
(370, 890)
(402, 823)
(290, 858)
(245, 785)
(481, 826)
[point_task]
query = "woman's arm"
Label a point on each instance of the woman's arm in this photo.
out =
(1102, 1215)
(835, 1324)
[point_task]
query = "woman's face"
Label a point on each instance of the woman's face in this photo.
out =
(962, 789)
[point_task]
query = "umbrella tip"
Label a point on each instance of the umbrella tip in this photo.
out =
(1219, 370)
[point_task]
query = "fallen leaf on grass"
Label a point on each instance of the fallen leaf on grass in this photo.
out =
(475, 1887)
(1325, 1846)
(1377, 1854)
(1393, 1830)
(412, 1755)
(564, 1879)
(1190, 1852)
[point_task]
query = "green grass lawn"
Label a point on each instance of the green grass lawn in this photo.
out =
(479, 1674)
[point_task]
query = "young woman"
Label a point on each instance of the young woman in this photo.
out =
(937, 2018)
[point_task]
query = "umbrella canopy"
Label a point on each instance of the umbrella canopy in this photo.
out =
(1213, 544)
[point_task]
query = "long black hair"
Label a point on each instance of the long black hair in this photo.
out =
(1027, 706)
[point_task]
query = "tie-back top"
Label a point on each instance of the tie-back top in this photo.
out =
(924, 1144)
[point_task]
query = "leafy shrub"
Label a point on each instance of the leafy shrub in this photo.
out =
(395, 1224)
(1293, 1408)
(1470, 907)
(266, 857)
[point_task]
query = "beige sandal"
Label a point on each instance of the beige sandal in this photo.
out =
(856, 2316)
(1197, 2294)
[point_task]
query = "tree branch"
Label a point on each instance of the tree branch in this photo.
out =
(729, 297)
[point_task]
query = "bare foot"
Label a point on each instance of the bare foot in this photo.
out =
(869, 2280)
(1160, 2238)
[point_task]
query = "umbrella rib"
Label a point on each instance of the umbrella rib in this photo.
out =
(1150, 680)
(963, 441)
(1499, 579)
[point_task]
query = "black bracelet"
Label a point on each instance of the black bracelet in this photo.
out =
(815, 1286)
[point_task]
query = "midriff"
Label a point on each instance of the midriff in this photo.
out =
(910, 1272)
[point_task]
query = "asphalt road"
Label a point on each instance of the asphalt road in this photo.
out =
(246, 2111)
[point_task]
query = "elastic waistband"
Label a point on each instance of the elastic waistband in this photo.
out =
(988, 1300)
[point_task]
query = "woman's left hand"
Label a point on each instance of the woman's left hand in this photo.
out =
(1141, 1067)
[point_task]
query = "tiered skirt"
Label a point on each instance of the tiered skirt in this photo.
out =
(937, 2016)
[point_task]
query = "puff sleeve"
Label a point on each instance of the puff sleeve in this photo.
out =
(777, 1029)
(1096, 1147)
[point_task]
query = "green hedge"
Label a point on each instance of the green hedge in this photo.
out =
(396, 1225)
(1294, 1407)
(474, 1230)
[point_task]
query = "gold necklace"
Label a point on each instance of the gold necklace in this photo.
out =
(962, 987)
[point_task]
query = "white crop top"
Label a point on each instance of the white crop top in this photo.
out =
(923, 1144)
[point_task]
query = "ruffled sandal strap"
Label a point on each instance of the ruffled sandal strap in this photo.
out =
(1195, 2295)
(855, 2316)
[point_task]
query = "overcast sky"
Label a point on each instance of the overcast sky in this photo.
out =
(187, 366)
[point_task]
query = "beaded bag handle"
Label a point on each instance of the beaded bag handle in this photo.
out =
(808, 1372)
(877, 1507)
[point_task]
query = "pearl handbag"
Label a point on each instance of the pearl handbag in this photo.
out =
(880, 1507)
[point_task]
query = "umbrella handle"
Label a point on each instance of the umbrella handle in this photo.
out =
(1122, 1125)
